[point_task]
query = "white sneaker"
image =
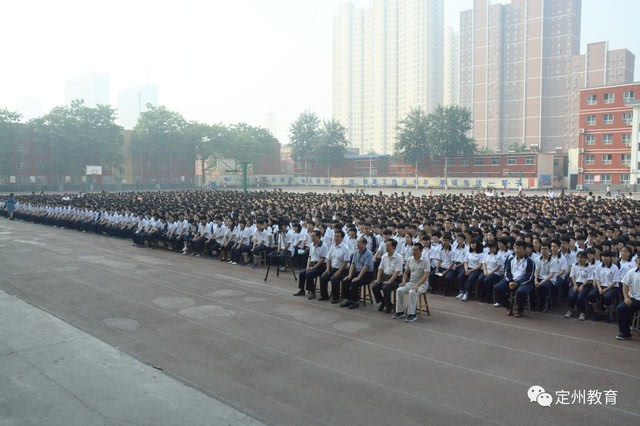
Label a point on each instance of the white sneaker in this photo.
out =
(234, 263)
(465, 297)
(459, 296)
(497, 305)
(568, 314)
(582, 316)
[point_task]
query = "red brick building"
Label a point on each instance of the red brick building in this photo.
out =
(352, 166)
(605, 136)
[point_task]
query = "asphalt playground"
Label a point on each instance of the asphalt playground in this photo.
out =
(234, 340)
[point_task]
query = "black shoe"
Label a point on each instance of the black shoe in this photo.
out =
(323, 298)
(311, 296)
(345, 304)
(623, 336)
(381, 307)
(300, 293)
(354, 305)
(398, 315)
(389, 309)
(335, 301)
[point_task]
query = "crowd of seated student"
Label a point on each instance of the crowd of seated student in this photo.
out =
(514, 252)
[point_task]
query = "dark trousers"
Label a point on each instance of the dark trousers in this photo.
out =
(335, 283)
(278, 259)
(382, 292)
(306, 279)
(579, 297)
(551, 287)
(466, 282)
(236, 253)
(608, 298)
(625, 315)
(351, 290)
(485, 286)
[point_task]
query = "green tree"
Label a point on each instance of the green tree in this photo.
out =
(76, 136)
(10, 132)
(161, 135)
(248, 145)
(412, 138)
(516, 147)
(331, 145)
(303, 138)
(447, 133)
(208, 141)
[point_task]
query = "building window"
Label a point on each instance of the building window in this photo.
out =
(495, 161)
(629, 96)
(607, 159)
(625, 159)
(22, 165)
(624, 179)
(626, 139)
(590, 140)
(609, 98)
(464, 161)
(479, 161)
(592, 99)
(607, 118)
(627, 118)
(436, 162)
(356, 164)
(41, 165)
(591, 120)
(511, 161)
(588, 179)
(589, 160)
(529, 160)
(606, 179)
(607, 139)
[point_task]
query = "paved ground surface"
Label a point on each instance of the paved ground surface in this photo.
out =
(224, 331)
(54, 373)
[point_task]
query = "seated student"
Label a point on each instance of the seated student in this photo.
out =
(581, 284)
(492, 271)
(337, 266)
(260, 241)
(471, 270)
(606, 279)
(318, 253)
(389, 275)
(168, 237)
(242, 245)
(444, 274)
(182, 231)
(407, 248)
(219, 230)
(360, 273)
(630, 301)
(284, 248)
(550, 270)
(298, 242)
(229, 240)
(414, 283)
(518, 276)
(351, 239)
(197, 243)
(138, 236)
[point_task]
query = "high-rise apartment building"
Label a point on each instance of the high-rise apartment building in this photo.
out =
(515, 62)
(387, 59)
(598, 67)
(133, 101)
(93, 88)
(450, 76)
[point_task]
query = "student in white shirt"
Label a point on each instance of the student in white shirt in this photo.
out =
(581, 284)
(492, 271)
(605, 281)
(337, 268)
(242, 245)
(389, 276)
(631, 301)
(318, 253)
(260, 241)
(298, 242)
(471, 270)
(229, 240)
(444, 273)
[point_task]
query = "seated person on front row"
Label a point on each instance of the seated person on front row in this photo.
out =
(389, 275)
(360, 273)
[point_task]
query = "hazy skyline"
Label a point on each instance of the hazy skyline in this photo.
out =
(213, 61)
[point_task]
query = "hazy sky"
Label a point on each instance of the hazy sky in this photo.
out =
(214, 61)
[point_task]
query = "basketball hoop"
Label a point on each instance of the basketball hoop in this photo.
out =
(94, 173)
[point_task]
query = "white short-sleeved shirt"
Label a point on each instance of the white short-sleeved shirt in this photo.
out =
(582, 274)
(338, 254)
(318, 252)
(607, 275)
(493, 260)
(391, 264)
(632, 279)
(446, 258)
(473, 260)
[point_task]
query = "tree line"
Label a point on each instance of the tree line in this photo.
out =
(76, 135)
